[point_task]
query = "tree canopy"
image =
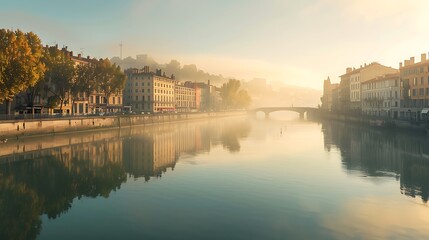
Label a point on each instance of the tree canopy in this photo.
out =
(110, 79)
(60, 73)
(20, 62)
(233, 96)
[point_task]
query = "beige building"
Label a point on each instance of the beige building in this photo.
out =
(327, 95)
(356, 77)
(330, 95)
(185, 98)
(381, 96)
(415, 88)
(147, 91)
(97, 101)
(82, 104)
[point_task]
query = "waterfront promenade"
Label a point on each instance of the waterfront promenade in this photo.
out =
(38, 126)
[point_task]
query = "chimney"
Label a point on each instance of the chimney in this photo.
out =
(349, 69)
(87, 57)
(360, 66)
(79, 55)
(71, 53)
(365, 65)
(411, 60)
(400, 65)
(423, 57)
(56, 46)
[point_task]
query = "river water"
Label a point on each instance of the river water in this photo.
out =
(231, 178)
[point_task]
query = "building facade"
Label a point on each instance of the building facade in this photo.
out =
(356, 77)
(327, 95)
(81, 104)
(414, 88)
(207, 96)
(185, 98)
(151, 92)
(336, 93)
(344, 92)
(381, 96)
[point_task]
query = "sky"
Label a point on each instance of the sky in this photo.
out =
(295, 42)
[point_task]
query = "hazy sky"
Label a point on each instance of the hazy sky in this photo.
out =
(299, 42)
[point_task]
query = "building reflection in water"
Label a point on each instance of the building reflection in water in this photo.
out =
(382, 154)
(42, 176)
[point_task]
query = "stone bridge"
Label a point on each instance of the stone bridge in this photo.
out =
(300, 110)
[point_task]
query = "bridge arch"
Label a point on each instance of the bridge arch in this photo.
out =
(301, 110)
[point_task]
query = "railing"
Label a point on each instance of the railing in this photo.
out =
(5, 117)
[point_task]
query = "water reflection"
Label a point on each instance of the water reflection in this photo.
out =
(43, 176)
(376, 153)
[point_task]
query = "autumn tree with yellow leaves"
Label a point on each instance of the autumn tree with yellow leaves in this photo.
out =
(20, 63)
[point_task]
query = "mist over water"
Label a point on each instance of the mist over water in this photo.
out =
(240, 178)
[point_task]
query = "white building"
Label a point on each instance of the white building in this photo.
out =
(147, 91)
(381, 96)
(185, 98)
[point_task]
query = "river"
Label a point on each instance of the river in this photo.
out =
(230, 178)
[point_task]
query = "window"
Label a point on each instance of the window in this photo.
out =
(137, 98)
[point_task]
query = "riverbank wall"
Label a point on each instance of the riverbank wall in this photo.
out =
(29, 127)
(392, 124)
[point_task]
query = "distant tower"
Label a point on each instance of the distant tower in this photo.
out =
(120, 53)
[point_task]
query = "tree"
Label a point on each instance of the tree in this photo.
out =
(110, 79)
(84, 81)
(20, 63)
(60, 73)
(243, 99)
(229, 91)
(39, 68)
(232, 96)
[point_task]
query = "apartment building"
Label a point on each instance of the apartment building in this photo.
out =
(414, 88)
(148, 91)
(381, 96)
(355, 77)
(330, 98)
(185, 98)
